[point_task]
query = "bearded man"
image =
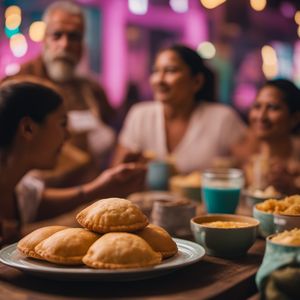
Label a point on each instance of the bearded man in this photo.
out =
(88, 108)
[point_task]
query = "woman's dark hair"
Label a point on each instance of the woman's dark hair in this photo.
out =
(197, 66)
(291, 95)
(24, 99)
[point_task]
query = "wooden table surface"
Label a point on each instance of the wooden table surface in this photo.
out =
(210, 278)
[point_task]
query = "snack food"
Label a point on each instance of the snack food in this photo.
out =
(289, 205)
(112, 214)
(159, 240)
(226, 224)
(27, 244)
(121, 250)
(289, 238)
(66, 247)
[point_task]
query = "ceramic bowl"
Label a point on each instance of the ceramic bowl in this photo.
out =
(286, 222)
(276, 257)
(188, 186)
(252, 199)
(224, 242)
(266, 226)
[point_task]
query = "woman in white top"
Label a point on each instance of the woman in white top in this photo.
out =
(181, 123)
(32, 131)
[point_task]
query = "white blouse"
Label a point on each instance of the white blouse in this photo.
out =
(212, 129)
(29, 194)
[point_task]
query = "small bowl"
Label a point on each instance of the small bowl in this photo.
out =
(252, 200)
(286, 222)
(187, 186)
(224, 242)
(276, 256)
(266, 226)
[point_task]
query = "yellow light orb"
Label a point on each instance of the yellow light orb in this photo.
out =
(13, 21)
(210, 4)
(37, 31)
(258, 5)
(12, 10)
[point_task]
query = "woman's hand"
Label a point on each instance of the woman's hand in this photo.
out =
(118, 181)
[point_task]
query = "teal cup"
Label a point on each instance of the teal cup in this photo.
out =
(221, 190)
(158, 175)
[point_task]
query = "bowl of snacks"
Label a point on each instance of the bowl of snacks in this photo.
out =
(225, 235)
(290, 217)
(254, 196)
(188, 186)
(277, 215)
(282, 250)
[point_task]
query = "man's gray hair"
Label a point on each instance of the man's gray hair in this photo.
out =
(66, 6)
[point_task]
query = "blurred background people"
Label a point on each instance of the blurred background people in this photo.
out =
(271, 154)
(182, 122)
(90, 114)
(33, 129)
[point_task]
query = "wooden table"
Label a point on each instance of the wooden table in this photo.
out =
(210, 278)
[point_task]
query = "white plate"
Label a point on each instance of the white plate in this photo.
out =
(188, 253)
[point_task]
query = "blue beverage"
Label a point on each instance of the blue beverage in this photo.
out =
(221, 200)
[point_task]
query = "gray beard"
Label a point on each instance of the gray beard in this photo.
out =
(60, 71)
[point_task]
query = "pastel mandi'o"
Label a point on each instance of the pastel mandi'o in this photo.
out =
(121, 250)
(67, 247)
(159, 239)
(112, 214)
(27, 244)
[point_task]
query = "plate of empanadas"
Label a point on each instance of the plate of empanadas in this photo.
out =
(115, 242)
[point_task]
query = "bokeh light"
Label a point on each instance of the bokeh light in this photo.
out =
(138, 7)
(210, 4)
(258, 5)
(18, 45)
(206, 50)
(37, 31)
(270, 61)
(12, 10)
(179, 6)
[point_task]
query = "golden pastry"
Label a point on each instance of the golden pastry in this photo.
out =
(66, 247)
(112, 214)
(159, 239)
(27, 243)
(121, 250)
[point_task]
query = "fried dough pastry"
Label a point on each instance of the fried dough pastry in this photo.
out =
(121, 250)
(66, 247)
(27, 244)
(112, 214)
(159, 239)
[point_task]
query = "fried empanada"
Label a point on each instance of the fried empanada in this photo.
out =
(159, 239)
(112, 214)
(27, 244)
(121, 250)
(66, 247)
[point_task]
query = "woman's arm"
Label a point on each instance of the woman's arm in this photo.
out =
(115, 182)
